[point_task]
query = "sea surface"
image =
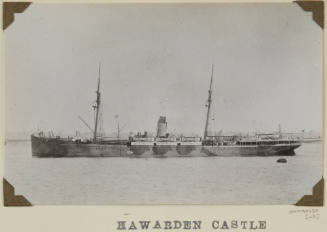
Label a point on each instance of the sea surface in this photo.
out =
(187, 180)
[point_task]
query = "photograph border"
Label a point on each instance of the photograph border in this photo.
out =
(297, 221)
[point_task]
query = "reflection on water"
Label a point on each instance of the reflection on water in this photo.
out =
(175, 180)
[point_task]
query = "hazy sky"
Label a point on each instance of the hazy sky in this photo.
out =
(156, 60)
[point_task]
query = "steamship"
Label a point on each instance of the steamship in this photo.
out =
(162, 144)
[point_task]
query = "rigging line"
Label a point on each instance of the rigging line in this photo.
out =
(85, 123)
(101, 122)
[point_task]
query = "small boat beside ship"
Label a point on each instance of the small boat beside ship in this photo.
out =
(162, 144)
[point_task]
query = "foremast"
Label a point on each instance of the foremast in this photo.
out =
(208, 105)
(96, 108)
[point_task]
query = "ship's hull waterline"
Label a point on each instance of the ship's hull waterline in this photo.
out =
(52, 147)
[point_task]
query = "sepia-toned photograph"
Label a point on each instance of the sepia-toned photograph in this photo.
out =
(193, 103)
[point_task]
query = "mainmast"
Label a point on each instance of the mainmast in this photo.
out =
(118, 128)
(96, 108)
(209, 106)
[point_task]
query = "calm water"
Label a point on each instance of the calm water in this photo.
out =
(200, 180)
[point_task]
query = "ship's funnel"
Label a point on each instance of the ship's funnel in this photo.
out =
(162, 127)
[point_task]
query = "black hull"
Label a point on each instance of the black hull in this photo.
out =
(58, 147)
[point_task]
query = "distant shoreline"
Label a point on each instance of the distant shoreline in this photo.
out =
(17, 140)
(311, 140)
